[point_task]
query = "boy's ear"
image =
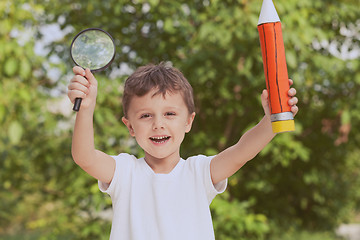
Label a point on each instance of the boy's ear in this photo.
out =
(128, 125)
(189, 122)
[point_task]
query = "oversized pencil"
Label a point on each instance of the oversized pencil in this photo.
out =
(276, 75)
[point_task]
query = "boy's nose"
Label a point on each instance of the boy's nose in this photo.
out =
(158, 123)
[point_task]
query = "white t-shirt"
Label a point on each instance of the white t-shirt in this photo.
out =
(150, 206)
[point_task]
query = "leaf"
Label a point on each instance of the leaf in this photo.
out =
(15, 132)
(169, 26)
(154, 3)
(10, 67)
(2, 112)
(25, 69)
(345, 117)
(291, 59)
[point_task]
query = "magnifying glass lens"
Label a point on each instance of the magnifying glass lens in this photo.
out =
(92, 48)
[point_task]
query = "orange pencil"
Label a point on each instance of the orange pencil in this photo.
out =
(276, 75)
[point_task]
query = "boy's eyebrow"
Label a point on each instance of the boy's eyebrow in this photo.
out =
(149, 110)
(141, 110)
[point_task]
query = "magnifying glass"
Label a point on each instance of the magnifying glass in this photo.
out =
(92, 48)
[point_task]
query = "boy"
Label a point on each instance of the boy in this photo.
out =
(160, 196)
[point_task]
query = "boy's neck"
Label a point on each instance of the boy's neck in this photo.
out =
(162, 166)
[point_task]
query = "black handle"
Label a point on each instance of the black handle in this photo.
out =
(77, 104)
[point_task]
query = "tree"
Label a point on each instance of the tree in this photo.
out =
(309, 178)
(37, 174)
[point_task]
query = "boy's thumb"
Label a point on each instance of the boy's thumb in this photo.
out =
(90, 77)
(264, 96)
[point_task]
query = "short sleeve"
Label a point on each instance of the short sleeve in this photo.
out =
(216, 189)
(202, 164)
(123, 164)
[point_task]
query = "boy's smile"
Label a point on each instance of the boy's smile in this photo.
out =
(159, 124)
(160, 139)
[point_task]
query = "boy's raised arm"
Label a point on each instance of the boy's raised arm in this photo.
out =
(96, 163)
(226, 163)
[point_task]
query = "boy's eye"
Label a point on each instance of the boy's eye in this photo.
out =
(170, 114)
(146, 115)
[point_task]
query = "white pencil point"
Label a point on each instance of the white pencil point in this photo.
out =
(268, 13)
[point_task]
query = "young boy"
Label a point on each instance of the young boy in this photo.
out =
(160, 196)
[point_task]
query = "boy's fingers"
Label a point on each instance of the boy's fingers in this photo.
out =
(78, 71)
(264, 94)
(81, 80)
(294, 109)
(265, 101)
(293, 101)
(90, 77)
(264, 98)
(291, 82)
(292, 92)
(73, 94)
(79, 87)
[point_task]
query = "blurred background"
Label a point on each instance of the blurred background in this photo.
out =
(303, 185)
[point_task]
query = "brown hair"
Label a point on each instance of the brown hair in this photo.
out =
(162, 77)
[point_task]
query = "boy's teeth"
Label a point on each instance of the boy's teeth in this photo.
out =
(160, 139)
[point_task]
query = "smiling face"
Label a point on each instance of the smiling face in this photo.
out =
(159, 124)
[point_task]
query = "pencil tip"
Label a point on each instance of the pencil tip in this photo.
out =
(268, 13)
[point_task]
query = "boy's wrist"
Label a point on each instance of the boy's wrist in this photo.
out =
(267, 117)
(267, 121)
(89, 111)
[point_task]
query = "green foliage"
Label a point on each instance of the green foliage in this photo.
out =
(305, 235)
(235, 221)
(38, 177)
(306, 179)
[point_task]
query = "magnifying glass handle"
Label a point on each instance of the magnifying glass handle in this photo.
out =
(77, 104)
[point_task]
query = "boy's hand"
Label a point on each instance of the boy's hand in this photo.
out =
(83, 85)
(292, 101)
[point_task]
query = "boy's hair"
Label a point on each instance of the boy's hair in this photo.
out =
(164, 78)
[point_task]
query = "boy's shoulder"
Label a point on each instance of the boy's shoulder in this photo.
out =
(199, 160)
(121, 156)
(125, 160)
(199, 157)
